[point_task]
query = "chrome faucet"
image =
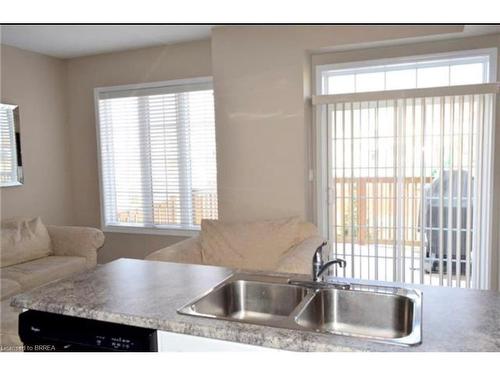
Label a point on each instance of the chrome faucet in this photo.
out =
(319, 267)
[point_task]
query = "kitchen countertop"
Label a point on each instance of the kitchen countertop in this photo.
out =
(148, 293)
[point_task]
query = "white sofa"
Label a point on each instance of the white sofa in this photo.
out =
(285, 245)
(33, 254)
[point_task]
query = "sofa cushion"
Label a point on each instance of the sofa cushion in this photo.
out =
(255, 245)
(9, 288)
(307, 230)
(24, 240)
(40, 271)
(298, 258)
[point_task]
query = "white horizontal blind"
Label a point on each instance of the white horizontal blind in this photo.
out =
(411, 185)
(8, 150)
(158, 161)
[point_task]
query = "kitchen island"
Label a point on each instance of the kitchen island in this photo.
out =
(148, 294)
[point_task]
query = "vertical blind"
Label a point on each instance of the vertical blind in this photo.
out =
(158, 161)
(410, 188)
(8, 150)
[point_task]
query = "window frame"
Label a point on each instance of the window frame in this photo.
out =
(136, 229)
(320, 69)
(16, 148)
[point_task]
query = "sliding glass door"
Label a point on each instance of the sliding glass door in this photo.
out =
(409, 186)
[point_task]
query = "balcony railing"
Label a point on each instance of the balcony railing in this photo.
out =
(366, 209)
(168, 212)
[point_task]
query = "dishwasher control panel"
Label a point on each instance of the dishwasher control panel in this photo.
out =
(42, 331)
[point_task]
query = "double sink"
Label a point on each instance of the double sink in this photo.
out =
(379, 313)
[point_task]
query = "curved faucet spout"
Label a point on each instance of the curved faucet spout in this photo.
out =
(318, 266)
(341, 262)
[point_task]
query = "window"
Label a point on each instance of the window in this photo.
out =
(452, 69)
(10, 162)
(157, 156)
(404, 182)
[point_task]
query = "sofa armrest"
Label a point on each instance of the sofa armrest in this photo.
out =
(187, 251)
(76, 241)
(299, 258)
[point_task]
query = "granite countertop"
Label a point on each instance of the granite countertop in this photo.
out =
(148, 293)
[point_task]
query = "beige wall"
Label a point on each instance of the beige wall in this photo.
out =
(261, 79)
(183, 60)
(37, 84)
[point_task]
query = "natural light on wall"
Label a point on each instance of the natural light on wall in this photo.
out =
(158, 163)
(406, 176)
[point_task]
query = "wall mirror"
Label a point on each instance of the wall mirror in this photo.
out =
(11, 164)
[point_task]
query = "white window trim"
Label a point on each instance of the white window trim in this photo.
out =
(323, 194)
(164, 231)
(138, 229)
(490, 52)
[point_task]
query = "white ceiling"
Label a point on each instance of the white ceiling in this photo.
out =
(68, 41)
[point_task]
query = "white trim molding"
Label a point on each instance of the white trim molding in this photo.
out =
(159, 231)
(482, 88)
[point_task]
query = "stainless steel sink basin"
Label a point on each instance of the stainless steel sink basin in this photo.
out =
(386, 314)
(381, 316)
(250, 301)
